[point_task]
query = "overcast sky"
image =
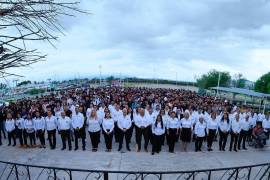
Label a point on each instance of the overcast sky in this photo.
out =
(160, 38)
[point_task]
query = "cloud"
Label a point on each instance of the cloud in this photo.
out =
(158, 38)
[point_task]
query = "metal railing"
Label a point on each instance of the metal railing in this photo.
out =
(17, 171)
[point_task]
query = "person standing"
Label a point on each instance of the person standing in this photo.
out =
(158, 130)
(224, 128)
(108, 127)
(94, 129)
(64, 125)
(39, 123)
(30, 130)
(78, 126)
(10, 128)
(266, 126)
(200, 129)
(2, 126)
(212, 126)
(235, 130)
(245, 125)
(124, 125)
(51, 126)
(142, 123)
(186, 130)
(173, 126)
(19, 127)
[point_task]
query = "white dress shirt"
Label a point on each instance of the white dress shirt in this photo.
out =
(29, 125)
(186, 123)
(108, 125)
(124, 122)
(20, 123)
(212, 124)
(142, 121)
(50, 123)
(158, 130)
(200, 129)
(39, 123)
(245, 125)
(93, 124)
(64, 123)
(116, 115)
(173, 123)
(266, 124)
(224, 126)
(77, 120)
(10, 125)
(236, 127)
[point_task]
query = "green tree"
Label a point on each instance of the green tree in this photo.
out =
(210, 79)
(24, 83)
(239, 81)
(110, 79)
(263, 84)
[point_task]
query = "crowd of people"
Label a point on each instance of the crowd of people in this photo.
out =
(160, 117)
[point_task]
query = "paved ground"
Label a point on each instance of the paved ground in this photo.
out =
(142, 161)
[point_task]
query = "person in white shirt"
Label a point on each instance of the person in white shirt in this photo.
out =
(124, 125)
(94, 128)
(266, 126)
(78, 126)
(212, 126)
(39, 123)
(20, 126)
(235, 130)
(116, 115)
(30, 130)
(142, 124)
(158, 130)
(224, 128)
(50, 126)
(186, 130)
(64, 125)
(108, 127)
(10, 128)
(245, 125)
(200, 132)
(173, 126)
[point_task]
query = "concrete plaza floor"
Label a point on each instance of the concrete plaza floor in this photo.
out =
(133, 161)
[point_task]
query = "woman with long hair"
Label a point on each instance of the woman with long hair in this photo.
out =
(223, 128)
(94, 129)
(108, 127)
(158, 130)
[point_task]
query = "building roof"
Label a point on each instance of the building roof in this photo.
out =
(241, 91)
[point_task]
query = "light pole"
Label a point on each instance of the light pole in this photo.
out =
(219, 74)
(99, 74)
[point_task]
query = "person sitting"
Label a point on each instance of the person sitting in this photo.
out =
(259, 135)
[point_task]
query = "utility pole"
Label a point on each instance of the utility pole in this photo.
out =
(219, 75)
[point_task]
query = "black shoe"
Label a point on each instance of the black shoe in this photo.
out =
(70, 148)
(76, 149)
(14, 145)
(128, 149)
(83, 148)
(153, 153)
(245, 148)
(235, 150)
(119, 149)
(63, 149)
(9, 144)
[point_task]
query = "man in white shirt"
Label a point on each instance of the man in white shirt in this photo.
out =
(266, 126)
(116, 115)
(64, 125)
(200, 129)
(78, 126)
(124, 125)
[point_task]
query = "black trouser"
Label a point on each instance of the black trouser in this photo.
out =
(242, 137)
(32, 138)
(95, 139)
(0, 138)
(52, 138)
(2, 130)
(12, 135)
(142, 132)
(116, 132)
(41, 137)
(65, 136)
(130, 132)
(80, 133)
(123, 134)
(108, 140)
(234, 141)
(211, 137)
(222, 140)
(20, 136)
(24, 137)
(198, 143)
(267, 135)
(156, 143)
(172, 136)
